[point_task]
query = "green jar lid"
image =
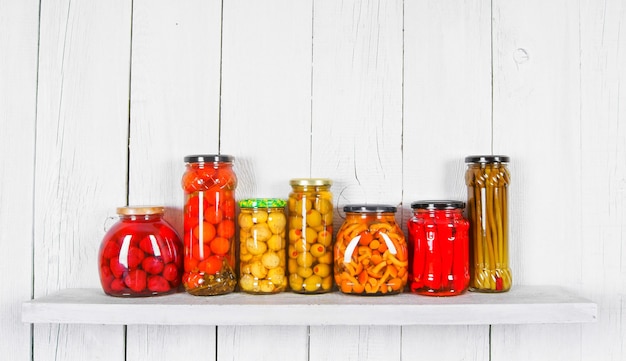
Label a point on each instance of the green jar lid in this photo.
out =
(262, 203)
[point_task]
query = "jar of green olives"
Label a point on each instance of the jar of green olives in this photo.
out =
(310, 235)
(262, 229)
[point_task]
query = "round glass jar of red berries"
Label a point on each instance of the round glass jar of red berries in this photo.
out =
(141, 254)
(209, 184)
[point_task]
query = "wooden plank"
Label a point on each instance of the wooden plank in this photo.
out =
(261, 343)
(357, 131)
(359, 343)
(537, 122)
(522, 305)
(468, 342)
(603, 175)
(175, 92)
(447, 116)
(80, 174)
(18, 94)
(266, 124)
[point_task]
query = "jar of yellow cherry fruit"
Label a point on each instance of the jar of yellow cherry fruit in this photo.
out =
(262, 225)
(310, 252)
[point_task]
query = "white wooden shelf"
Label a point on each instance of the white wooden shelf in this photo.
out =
(521, 305)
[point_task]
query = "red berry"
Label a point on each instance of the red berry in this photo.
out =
(170, 272)
(117, 285)
(158, 284)
(135, 256)
(152, 265)
(111, 249)
(146, 245)
(136, 280)
(117, 268)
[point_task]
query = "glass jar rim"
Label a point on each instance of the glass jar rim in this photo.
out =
(438, 204)
(369, 208)
(140, 210)
(209, 158)
(487, 159)
(303, 182)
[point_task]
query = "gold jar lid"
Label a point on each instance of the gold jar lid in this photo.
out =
(140, 210)
(306, 182)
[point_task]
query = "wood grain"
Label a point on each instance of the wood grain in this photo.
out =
(80, 164)
(18, 96)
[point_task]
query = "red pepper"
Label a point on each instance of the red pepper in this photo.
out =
(460, 268)
(418, 254)
(433, 258)
(446, 235)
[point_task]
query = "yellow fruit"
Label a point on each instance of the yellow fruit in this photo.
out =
(312, 283)
(295, 282)
(275, 242)
(323, 205)
(304, 272)
(255, 247)
(322, 270)
(259, 216)
(313, 218)
(317, 250)
(261, 232)
(276, 221)
(245, 220)
(310, 235)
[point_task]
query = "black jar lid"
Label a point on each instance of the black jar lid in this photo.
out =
(209, 158)
(487, 159)
(440, 204)
(369, 208)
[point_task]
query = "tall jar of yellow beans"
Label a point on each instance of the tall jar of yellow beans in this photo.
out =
(310, 235)
(487, 178)
(262, 229)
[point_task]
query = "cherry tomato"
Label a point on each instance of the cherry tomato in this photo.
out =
(220, 246)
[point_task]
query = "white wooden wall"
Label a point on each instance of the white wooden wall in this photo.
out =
(100, 101)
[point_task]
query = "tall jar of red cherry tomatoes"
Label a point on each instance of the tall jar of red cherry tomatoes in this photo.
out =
(438, 235)
(209, 184)
(141, 254)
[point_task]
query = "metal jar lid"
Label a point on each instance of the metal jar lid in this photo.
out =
(438, 204)
(306, 182)
(209, 158)
(487, 159)
(262, 203)
(369, 208)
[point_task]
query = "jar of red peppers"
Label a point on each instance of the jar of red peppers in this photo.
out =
(141, 254)
(370, 253)
(310, 234)
(438, 237)
(262, 228)
(487, 178)
(209, 184)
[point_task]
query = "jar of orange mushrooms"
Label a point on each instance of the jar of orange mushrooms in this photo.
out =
(370, 253)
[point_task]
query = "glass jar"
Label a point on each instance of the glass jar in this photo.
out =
(310, 252)
(141, 254)
(371, 256)
(438, 235)
(209, 184)
(487, 178)
(262, 229)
